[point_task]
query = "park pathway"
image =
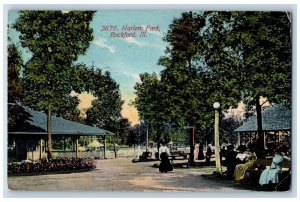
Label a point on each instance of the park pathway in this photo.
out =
(122, 175)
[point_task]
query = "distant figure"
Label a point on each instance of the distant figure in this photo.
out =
(196, 151)
(201, 154)
(208, 154)
(230, 160)
(165, 164)
(270, 175)
(222, 153)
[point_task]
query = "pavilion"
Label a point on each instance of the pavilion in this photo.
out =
(276, 126)
(27, 138)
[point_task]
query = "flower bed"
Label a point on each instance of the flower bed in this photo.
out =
(59, 165)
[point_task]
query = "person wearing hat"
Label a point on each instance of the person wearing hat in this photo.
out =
(242, 156)
(230, 160)
(208, 154)
(240, 169)
(270, 175)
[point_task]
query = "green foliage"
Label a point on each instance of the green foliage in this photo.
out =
(14, 66)
(106, 108)
(257, 48)
(217, 56)
(55, 40)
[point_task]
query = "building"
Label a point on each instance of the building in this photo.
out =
(276, 126)
(27, 137)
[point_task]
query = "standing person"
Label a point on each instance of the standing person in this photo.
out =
(165, 164)
(269, 177)
(196, 152)
(201, 154)
(208, 154)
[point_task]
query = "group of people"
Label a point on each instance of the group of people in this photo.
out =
(239, 159)
(164, 153)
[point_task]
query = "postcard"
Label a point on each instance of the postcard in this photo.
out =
(158, 100)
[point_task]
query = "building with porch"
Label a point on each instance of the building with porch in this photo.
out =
(27, 138)
(276, 126)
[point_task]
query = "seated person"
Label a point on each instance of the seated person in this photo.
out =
(240, 169)
(242, 155)
(270, 175)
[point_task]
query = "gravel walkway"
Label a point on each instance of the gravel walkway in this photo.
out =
(122, 175)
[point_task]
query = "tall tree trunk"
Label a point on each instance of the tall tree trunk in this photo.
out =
(49, 130)
(260, 140)
(191, 159)
(258, 115)
(158, 140)
(114, 143)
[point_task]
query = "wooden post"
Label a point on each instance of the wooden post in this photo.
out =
(64, 144)
(41, 149)
(147, 139)
(17, 149)
(77, 154)
(193, 135)
(191, 158)
(104, 152)
(238, 141)
(114, 146)
(49, 130)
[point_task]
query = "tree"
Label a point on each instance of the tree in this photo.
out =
(14, 62)
(106, 108)
(150, 103)
(123, 130)
(192, 83)
(260, 45)
(55, 39)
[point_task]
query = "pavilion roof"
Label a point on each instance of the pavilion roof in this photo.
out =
(35, 122)
(275, 118)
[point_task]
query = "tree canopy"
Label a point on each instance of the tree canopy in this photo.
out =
(55, 39)
(218, 56)
(14, 62)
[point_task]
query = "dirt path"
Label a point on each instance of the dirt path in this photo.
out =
(122, 175)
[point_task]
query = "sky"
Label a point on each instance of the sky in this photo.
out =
(125, 55)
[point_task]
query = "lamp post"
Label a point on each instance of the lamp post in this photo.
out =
(217, 134)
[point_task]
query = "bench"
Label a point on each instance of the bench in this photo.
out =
(178, 155)
(261, 164)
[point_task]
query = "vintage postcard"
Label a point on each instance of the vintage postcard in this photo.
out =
(160, 100)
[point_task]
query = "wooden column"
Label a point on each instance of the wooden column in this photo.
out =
(77, 154)
(41, 149)
(104, 152)
(64, 144)
(238, 141)
(49, 131)
(114, 143)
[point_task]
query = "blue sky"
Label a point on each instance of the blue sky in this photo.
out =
(125, 57)
(128, 57)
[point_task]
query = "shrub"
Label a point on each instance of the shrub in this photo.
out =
(54, 165)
